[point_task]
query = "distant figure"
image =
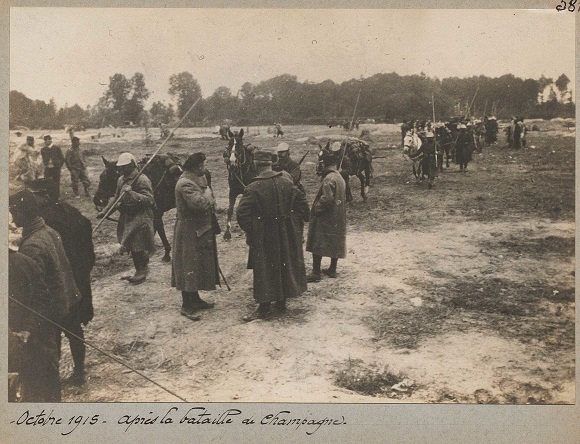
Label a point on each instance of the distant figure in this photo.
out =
(429, 158)
(271, 212)
(463, 148)
(279, 132)
(28, 162)
(74, 160)
(163, 132)
(521, 131)
(53, 161)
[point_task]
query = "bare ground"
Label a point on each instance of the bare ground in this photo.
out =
(463, 293)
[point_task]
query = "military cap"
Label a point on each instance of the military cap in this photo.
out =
(263, 157)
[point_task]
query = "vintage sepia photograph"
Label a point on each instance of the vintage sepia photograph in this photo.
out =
(337, 206)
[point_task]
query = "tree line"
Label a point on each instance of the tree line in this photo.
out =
(382, 97)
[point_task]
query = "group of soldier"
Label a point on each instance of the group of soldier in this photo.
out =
(272, 212)
(458, 139)
(32, 164)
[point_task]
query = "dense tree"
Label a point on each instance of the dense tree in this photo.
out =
(185, 89)
(161, 113)
(383, 97)
(134, 106)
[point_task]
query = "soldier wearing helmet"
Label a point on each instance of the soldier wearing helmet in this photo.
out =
(286, 163)
(135, 228)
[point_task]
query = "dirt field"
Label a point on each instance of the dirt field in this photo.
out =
(462, 294)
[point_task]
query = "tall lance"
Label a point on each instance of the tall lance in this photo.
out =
(472, 102)
(350, 126)
(112, 207)
(434, 132)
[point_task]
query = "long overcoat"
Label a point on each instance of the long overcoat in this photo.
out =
(37, 361)
(195, 265)
(464, 148)
(135, 228)
(327, 227)
(271, 212)
(43, 245)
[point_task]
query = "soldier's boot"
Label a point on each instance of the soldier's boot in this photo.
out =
(261, 312)
(198, 303)
(135, 257)
(331, 271)
(315, 275)
(142, 267)
(280, 305)
(186, 308)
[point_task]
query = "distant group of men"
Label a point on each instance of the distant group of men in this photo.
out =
(32, 164)
(463, 136)
(516, 133)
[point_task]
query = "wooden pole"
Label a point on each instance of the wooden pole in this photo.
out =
(112, 207)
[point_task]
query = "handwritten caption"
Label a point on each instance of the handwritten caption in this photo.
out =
(175, 416)
(569, 6)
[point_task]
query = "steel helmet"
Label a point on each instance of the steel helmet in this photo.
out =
(282, 147)
(125, 159)
(335, 147)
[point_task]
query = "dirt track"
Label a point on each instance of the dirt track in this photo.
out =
(463, 293)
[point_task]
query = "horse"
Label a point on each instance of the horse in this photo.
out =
(411, 145)
(444, 144)
(163, 172)
(239, 159)
(355, 159)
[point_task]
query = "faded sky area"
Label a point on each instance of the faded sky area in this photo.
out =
(69, 53)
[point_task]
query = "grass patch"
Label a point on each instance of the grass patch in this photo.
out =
(355, 376)
(405, 328)
(535, 247)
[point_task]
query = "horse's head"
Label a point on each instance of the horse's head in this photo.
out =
(236, 142)
(107, 184)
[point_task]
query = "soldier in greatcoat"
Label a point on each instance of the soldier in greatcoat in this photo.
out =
(271, 212)
(53, 160)
(135, 228)
(33, 349)
(327, 227)
(195, 261)
(463, 148)
(43, 245)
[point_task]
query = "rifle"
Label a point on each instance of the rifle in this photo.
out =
(304, 157)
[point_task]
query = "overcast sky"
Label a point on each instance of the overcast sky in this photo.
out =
(69, 53)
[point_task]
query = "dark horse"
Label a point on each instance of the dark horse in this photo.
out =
(354, 159)
(444, 144)
(163, 173)
(239, 159)
(76, 234)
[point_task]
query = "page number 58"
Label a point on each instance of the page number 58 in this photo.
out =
(567, 6)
